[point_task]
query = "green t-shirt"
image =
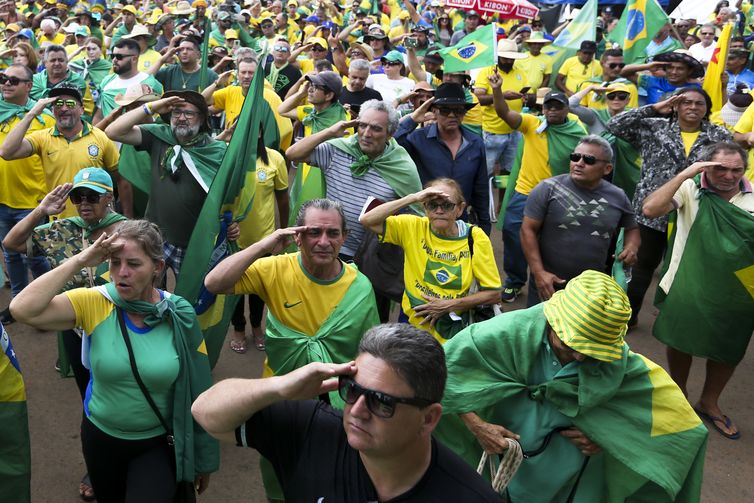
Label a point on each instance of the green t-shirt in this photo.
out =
(173, 78)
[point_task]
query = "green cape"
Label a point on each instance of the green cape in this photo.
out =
(39, 87)
(10, 110)
(95, 72)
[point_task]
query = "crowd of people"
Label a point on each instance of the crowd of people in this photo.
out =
(366, 255)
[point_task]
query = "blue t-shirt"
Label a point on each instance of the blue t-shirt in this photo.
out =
(656, 87)
(745, 77)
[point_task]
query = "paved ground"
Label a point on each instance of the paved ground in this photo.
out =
(55, 415)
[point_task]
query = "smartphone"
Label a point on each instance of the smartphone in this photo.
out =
(525, 90)
(411, 42)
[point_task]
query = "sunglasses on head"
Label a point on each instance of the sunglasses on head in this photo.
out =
(613, 66)
(588, 159)
(434, 205)
(380, 404)
(89, 197)
(66, 103)
(618, 96)
(14, 81)
(122, 56)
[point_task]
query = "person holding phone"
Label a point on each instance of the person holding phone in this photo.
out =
(356, 92)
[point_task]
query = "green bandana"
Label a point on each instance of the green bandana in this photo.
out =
(393, 164)
(324, 118)
(201, 156)
(106, 221)
(10, 110)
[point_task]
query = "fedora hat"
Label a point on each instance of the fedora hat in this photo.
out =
(507, 48)
(451, 94)
(141, 93)
(590, 315)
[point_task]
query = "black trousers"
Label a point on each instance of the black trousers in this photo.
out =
(256, 308)
(128, 471)
(72, 346)
(653, 245)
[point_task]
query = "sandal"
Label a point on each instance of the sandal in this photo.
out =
(238, 345)
(86, 492)
(258, 340)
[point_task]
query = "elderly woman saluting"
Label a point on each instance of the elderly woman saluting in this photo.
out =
(443, 256)
(148, 363)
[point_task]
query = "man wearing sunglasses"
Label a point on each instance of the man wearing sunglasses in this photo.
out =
(23, 179)
(579, 212)
(71, 145)
(379, 448)
(279, 72)
(612, 64)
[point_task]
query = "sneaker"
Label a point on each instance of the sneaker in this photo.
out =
(510, 294)
(5, 317)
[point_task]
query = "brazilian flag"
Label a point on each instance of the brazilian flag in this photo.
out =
(15, 451)
(641, 20)
(476, 50)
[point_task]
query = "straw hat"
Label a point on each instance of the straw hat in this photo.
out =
(183, 8)
(541, 93)
(141, 93)
(507, 48)
(590, 316)
(537, 37)
(139, 30)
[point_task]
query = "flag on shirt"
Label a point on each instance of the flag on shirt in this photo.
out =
(641, 20)
(476, 50)
(581, 28)
(716, 68)
(226, 202)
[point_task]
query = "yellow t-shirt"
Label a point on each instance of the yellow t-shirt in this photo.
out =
(746, 125)
(62, 159)
(576, 73)
(148, 59)
(44, 41)
(513, 81)
(474, 115)
(270, 178)
(534, 165)
(535, 67)
(598, 101)
(23, 179)
(688, 140)
(439, 266)
(70, 49)
(293, 296)
(305, 65)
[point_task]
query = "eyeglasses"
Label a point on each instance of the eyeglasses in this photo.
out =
(613, 66)
(434, 205)
(392, 63)
(446, 111)
(14, 81)
(281, 48)
(356, 54)
(380, 404)
(318, 48)
(189, 114)
(588, 159)
(618, 96)
(89, 197)
(123, 56)
(65, 103)
(707, 34)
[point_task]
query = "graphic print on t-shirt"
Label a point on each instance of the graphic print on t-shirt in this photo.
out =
(580, 213)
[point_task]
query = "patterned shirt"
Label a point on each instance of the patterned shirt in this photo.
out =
(658, 139)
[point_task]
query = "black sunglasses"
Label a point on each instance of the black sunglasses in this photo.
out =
(434, 205)
(89, 197)
(446, 111)
(618, 96)
(588, 159)
(122, 56)
(613, 66)
(380, 404)
(14, 81)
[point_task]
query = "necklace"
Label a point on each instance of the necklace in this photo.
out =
(185, 81)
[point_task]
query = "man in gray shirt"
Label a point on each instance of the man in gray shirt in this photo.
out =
(570, 221)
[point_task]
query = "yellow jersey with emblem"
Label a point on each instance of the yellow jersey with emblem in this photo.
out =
(62, 159)
(439, 266)
(575, 72)
(270, 178)
(515, 80)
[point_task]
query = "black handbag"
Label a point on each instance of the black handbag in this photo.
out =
(382, 263)
(184, 491)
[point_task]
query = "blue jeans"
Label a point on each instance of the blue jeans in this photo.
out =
(514, 261)
(18, 265)
(502, 148)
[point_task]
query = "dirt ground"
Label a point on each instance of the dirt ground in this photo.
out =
(55, 416)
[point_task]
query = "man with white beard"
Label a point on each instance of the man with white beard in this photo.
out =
(179, 177)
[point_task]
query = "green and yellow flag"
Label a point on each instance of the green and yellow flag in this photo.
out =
(581, 28)
(641, 20)
(478, 49)
(15, 450)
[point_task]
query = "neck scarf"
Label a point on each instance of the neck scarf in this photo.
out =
(106, 221)
(324, 118)
(10, 110)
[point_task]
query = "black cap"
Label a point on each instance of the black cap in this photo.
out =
(331, 80)
(556, 96)
(65, 90)
(588, 46)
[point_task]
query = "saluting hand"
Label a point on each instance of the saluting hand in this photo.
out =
(54, 202)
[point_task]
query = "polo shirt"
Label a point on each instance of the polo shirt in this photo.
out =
(63, 158)
(576, 72)
(515, 80)
(536, 67)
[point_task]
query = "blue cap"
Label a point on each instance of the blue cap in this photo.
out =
(96, 179)
(26, 32)
(312, 19)
(329, 25)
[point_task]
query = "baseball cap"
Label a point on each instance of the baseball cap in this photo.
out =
(65, 91)
(96, 179)
(556, 96)
(330, 80)
(393, 57)
(588, 46)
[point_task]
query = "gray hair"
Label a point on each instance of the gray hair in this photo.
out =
(598, 141)
(382, 106)
(359, 65)
(246, 55)
(323, 205)
(415, 355)
(27, 71)
(727, 147)
(55, 48)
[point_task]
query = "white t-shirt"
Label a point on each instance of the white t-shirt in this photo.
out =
(390, 89)
(703, 54)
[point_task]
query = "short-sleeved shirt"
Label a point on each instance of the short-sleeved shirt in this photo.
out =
(746, 125)
(24, 176)
(535, 67)
(534, 161)
(114, 402)
(357, 98)
(177, 200)
(351, 191)
(173, 78)
(113, 85)
(62, 159)
(515, 80)
(390, 89)
(295, 297)
(307, 446)
(656, 87)
(577, 224)
(270, 178)
(439, 266)
(577, 72)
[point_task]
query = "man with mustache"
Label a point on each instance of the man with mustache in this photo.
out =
(184, 161)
